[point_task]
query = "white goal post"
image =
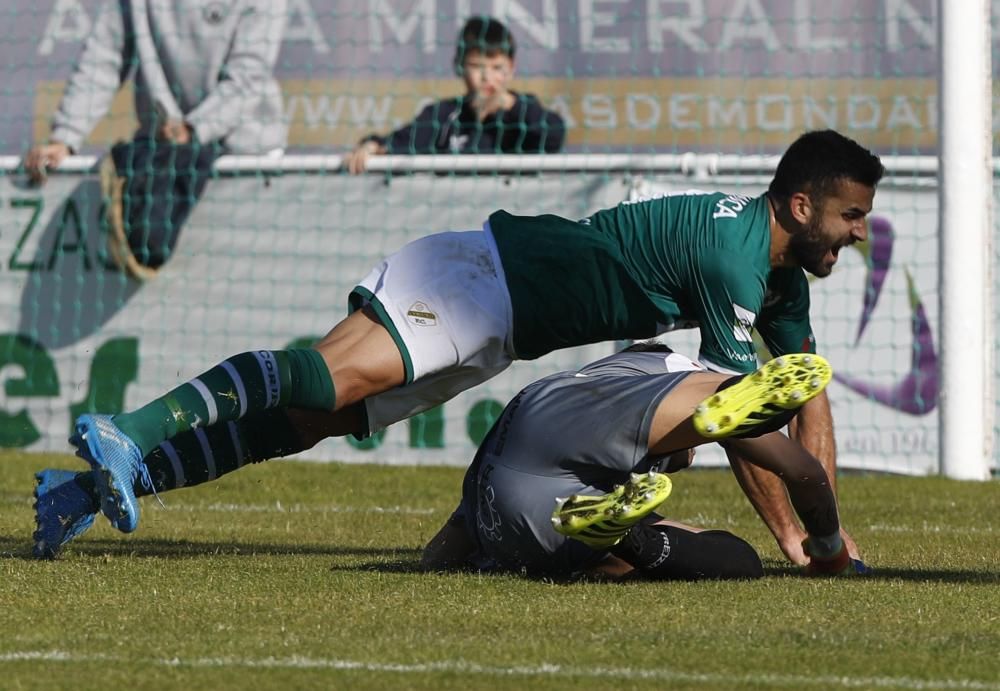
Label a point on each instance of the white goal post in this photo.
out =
(965, 240)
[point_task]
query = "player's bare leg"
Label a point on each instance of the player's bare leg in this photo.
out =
(361, 357)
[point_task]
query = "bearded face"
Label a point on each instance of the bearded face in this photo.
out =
(810, 247)
(830, 223)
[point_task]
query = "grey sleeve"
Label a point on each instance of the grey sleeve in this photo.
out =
(99, 74)
(246, 72)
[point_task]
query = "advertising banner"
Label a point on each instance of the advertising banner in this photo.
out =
(267, 261)
(667, 75)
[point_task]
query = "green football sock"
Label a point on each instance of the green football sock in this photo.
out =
(242, 385)
(208, 453)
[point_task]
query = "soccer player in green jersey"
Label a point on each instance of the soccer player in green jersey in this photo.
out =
(451, 310)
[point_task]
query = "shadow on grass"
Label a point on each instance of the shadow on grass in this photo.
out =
(406, 560)
(903, 574)
(11, 548)
(884, 574)
(394, 566)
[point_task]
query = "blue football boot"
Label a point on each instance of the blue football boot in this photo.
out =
(63, 510)
(117, 462)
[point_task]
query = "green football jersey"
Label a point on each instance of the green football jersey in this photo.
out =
(639, 269)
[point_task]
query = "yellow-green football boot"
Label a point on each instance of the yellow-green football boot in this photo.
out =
(763, 401)
(602, 521)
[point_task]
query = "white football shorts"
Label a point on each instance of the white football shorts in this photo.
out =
(444, 299)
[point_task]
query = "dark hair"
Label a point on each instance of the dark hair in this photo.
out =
(485, 34)
(648, 347)
(818, 160)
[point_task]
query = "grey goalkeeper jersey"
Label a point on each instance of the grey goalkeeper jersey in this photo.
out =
(593, 423)
(207, 62)
(574, 432)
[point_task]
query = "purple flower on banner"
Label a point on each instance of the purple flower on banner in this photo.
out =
(878, 255)
(917, 392)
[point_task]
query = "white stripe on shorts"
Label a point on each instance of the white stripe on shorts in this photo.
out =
(175, 461)
(241, 390)
(206, 449)
(206, 395)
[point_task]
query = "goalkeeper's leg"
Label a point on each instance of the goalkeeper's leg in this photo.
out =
(764, 401)
(663, 551)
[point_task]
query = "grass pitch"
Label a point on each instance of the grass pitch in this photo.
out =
(295, 575)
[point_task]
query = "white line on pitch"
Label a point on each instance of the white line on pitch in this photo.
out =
(930, 528)
(278, 507)
(699, 519)
(537, 670)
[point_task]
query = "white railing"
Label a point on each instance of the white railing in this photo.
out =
(696, 164)
(966, 289)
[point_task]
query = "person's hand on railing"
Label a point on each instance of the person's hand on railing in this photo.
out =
(356, 162)
(177, 132)
(43, 158)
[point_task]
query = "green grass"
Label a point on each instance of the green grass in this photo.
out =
(294, 575)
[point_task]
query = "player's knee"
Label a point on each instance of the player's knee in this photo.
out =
(679, 460)
(362, 357)
(728, 555)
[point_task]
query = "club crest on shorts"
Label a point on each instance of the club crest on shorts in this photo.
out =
(421, 315)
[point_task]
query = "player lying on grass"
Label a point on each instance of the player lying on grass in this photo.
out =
(601, 466)
(451, 310)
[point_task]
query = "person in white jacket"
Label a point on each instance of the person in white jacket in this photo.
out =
(204, 85)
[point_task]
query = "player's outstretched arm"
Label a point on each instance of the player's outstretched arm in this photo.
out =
(767, 495)
(811, 495)
(813, 429)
